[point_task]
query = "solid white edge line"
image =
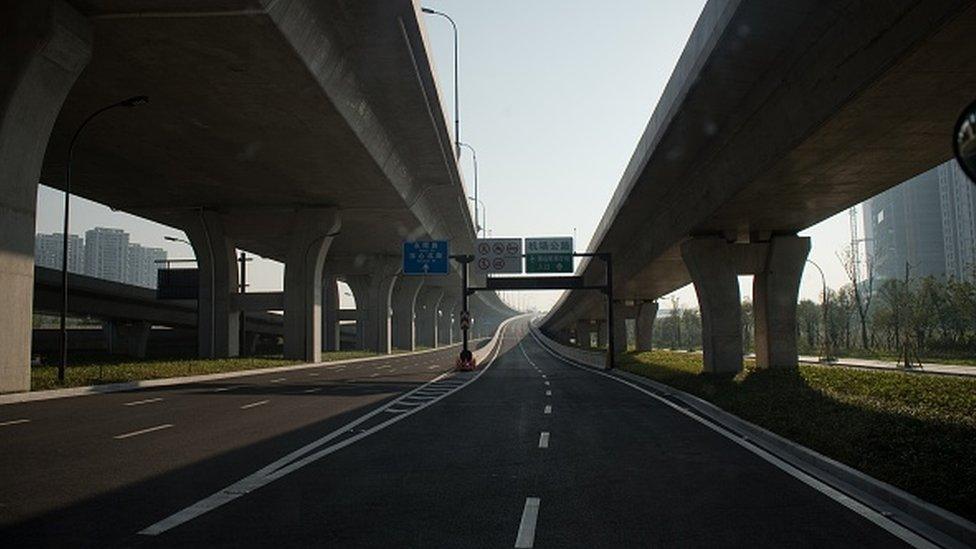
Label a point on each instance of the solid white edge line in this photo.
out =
(288, 463)
(253, 404)
(525, 538)
(544, 439)
(146, 401)
(890, 526)
(13, 422)
(143, 431)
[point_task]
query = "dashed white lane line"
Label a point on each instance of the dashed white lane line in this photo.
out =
(253, 404)
(146, 401)
(13, 422)
(434, 367)
(143, 431)
(548, 393)
(548, 409)
(314, 374)
(544, 439)
(546, 382)
(526, 531)
(230, 388)
(374, 375)
(278, 379)
(312, 390)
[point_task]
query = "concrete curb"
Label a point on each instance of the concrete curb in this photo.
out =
(938, 525)
(31, 396)
(914, 371)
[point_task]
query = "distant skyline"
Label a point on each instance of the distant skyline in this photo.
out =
(554, 119)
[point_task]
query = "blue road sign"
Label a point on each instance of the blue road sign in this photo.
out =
(426, 257)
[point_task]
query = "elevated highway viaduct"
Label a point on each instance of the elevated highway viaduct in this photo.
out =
(307, 131)
(777, 116)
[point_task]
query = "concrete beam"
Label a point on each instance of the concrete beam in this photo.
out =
(258, 301)
(44, 46)
(711, 264)
(405, 292)
(311, 235)
(775, 292)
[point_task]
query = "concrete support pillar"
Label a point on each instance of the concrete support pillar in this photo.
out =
(428, 303)
(445, 333)
(218, 328)
(127, 338)
(405, 292)
(621, 312)
(775, 292)
(602, 333)
(44, 45)
(583, 330)
(311, 235)
(644, 328)
(330, 313)
(374, 294)
(711, 265)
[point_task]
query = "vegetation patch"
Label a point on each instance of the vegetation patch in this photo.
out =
(912, 431)
(121, 370)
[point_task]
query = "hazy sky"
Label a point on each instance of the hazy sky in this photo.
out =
(554, 96)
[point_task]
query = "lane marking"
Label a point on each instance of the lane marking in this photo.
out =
(253, 404)
(312, 390)
(314, 374)
(543, 376)
(546, 382)
(544, 439)
(278, 379)
(374, 375)
(143, 431)
(548, 393)
(525, 538)
(548, 409)
(870, 514)
(13, 422)
(146, 401)
(311, 452)
(231, 388)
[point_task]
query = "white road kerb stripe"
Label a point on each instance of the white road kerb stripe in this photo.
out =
(309, 453)
(143, 431)
(253, 404)
(525, 538)
(544, 439)
(872, 515)
(13, 422)
(146, 401)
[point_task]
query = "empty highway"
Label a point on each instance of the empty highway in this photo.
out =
(400, 452)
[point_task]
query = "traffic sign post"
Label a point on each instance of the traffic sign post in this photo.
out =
(498, 256)
(426, 257)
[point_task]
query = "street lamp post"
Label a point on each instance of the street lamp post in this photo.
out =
(474, 159)
(484, 215)
(130, 102)
(826, 342)
(457, 124)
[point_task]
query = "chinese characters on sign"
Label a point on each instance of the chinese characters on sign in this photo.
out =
(549, 255)
(426, 257)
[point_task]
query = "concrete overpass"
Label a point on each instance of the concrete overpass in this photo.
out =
(301, 130)
(777, 116)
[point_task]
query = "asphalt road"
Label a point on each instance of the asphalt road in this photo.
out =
(530, 452)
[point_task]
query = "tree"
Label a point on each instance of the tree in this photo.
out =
(748, 325)
(808, 320)
(675, 322)
(692, 328)
(862, 296)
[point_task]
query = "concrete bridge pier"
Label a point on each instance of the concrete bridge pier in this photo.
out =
(44, 46)
(710, 261)
(644, 325)
(405, 292)
(622, 311)
(602, 333)
(311, 235)
(445, 329)
(218, 325)
(775, 291)
(126, 338)
(428, 303)
(330, 312)
(583, 330)
(374, 293)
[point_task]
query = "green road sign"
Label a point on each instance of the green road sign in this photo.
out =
(549, 255)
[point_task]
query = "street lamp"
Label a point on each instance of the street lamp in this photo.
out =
(474, 159)
(176, 239)
(826, 344)
(484, 215)
(457, 126)
(130, 102)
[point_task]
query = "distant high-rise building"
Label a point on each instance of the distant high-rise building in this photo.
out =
(106, 253)
(47, 252)
(927, 224)
(141, 265)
